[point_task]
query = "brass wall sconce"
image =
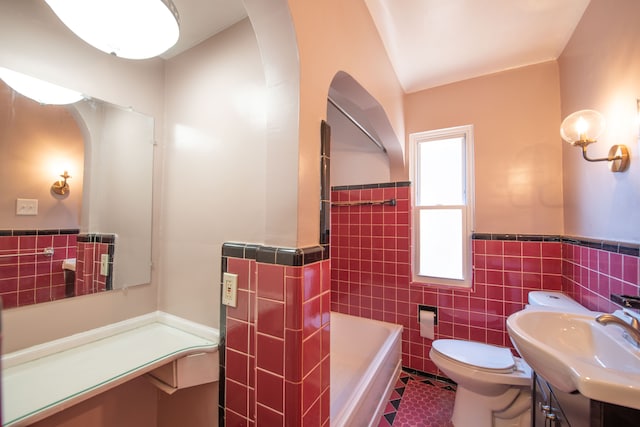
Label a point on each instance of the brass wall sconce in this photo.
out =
(61, 187)
(583, 128)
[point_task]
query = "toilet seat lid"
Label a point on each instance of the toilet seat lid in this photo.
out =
(479, 355)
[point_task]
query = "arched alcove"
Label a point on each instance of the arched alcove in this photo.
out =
(362, 136)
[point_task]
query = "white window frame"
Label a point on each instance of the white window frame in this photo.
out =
(467, 209)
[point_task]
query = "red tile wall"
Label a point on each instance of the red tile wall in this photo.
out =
(30, 279)
(277, 345)
(88, 277)
(371, 276)
(370, 253)
(590, 275)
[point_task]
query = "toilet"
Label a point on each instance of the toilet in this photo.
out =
(494, 387)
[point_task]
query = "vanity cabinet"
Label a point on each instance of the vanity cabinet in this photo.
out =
(554, 408)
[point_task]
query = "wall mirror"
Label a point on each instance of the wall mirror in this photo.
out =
(101, 227)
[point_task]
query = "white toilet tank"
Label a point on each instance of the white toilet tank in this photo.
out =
(557, 300)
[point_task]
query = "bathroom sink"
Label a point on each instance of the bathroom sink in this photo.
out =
(574, 352)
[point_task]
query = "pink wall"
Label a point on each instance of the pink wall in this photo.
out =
(322, 27)
(518, 163)
(224, 142)
(132, 404)
(38, 142)
(138, 403)
(600, 69)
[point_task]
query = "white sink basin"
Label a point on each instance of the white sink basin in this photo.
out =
(574, 352)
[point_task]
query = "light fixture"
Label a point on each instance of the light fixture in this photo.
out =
(583, 128)
(133, 29)
(39, 90)
(61, 187)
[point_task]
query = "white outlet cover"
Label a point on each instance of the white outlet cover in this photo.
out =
(229, 289)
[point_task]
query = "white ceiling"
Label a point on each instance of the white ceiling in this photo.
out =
(431, 42)
(435, 42)
(201, 19)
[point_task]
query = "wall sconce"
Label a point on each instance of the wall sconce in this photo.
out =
(128, 29)
(583, 128)
(61, 187)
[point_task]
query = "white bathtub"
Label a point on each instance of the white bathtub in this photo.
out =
(365, 364)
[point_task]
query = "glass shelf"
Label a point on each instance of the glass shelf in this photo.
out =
(35, 389)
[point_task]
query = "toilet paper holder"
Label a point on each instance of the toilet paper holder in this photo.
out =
(430, 308)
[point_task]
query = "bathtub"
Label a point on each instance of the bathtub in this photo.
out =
(365, 364)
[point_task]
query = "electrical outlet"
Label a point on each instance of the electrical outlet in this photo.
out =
(229, 289)
(104, 264)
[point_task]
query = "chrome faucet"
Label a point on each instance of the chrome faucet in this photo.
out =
(632, 331)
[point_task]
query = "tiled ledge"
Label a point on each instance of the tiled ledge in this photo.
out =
(623, 248)
(35, 232)
(294, 257)
(97, 238)
(368, 186)
(517, 237)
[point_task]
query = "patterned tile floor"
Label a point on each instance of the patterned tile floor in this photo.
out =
(419, 401)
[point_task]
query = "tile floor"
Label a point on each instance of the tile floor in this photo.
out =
(419, 401)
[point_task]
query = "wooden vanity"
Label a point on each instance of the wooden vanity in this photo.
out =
(554, 408)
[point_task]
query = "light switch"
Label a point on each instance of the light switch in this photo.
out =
(27, 207)
(229, 289)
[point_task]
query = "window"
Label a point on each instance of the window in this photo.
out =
(442, 173)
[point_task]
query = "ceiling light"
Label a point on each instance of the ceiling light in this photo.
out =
(39, 90)
(133, 29)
